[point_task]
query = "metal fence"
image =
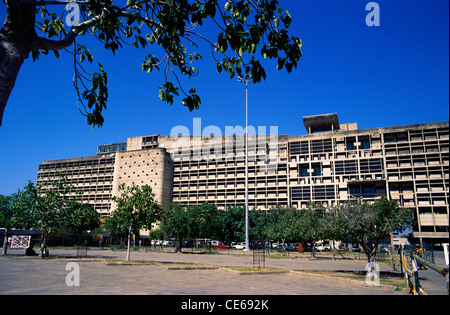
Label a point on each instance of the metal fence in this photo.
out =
(82, 251)
(259, 258)
(409, 264)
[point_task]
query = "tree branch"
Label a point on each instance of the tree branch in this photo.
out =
(48, 44)
(32, 2)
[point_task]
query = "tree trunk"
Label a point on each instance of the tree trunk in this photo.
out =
(17, 38)
(371, 256)
(370, 250)
(178, 245)
(129, 241)
(43, 253)
(313, 252)
(334, 250)
(5, 243)
(366, 247)
(371, 253)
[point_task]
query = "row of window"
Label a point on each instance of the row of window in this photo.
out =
(343, 167)
(363, 142)
(104, 148)
(313, 192)
(70, 165)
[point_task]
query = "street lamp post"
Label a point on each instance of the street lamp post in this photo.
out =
(247, 79)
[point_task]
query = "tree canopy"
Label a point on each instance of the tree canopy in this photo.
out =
(81, 217)
(190, 222)
(136, 209)
(369, 223)
(48, 208)
(170, 31)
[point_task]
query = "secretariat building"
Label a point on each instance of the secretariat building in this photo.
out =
(332, 164)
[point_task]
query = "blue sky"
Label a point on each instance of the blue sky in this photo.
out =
(393, 74)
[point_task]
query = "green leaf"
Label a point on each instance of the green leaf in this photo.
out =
(287, 19)
(35, 55)
(89, 56)
(289, 67)
(281, 62)
(219, 67)
(227, 6)
(277, 22)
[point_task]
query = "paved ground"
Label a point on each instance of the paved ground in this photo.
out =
(37, 276)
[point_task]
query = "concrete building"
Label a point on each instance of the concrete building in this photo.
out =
(331, 164)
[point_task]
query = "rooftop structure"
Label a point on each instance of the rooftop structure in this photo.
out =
(318, 123)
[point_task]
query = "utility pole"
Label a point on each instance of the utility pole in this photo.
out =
(247, 79)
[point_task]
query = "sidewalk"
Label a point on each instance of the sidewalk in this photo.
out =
(37, 276)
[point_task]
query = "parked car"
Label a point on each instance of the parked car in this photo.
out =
(290, 247)
(384, 249)
(323, 248)
(218, 244)
(281, 247)
(257, 245)
(308, 247)
(240, 245)
(343, 247)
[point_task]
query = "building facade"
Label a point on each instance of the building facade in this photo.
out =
(332, 164)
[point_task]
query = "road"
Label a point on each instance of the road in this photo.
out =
(20, 275)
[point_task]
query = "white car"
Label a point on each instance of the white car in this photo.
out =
(240, 245)
(323, 248)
